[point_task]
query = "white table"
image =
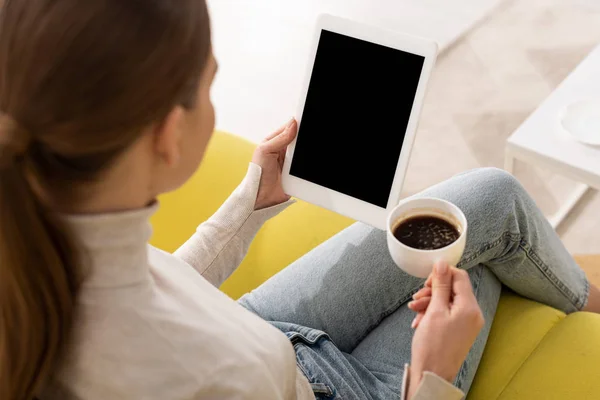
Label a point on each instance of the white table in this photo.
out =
(542, 142)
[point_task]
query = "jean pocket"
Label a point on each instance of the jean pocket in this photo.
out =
(322, 391)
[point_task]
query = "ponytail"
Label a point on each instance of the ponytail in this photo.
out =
(37, 277)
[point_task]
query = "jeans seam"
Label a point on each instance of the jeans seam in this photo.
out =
(297, 336)
(490, 245)
(586, 293)
(312, 379)
(575, 301)
(308, 376)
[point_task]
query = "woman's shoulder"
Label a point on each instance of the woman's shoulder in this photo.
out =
(175, 331)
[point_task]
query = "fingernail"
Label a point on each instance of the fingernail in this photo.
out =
(291, 122)
(414, 323)
(441, 268)
(411, 303)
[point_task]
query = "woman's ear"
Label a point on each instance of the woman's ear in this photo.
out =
(168, 135)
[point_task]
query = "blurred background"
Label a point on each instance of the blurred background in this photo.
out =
(499, 60)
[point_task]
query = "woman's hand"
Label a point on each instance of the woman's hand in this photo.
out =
(450, 323)
(269, 155)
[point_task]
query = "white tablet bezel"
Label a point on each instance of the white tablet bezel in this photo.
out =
(331, 199)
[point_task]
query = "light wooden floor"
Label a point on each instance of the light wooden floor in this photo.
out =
(591, 266)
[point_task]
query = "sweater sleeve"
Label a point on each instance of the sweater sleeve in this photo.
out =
(432, 387)
(220, 244)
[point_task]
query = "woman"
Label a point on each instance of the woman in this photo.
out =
(105, 105)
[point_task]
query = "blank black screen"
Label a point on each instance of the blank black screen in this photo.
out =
(355, 117)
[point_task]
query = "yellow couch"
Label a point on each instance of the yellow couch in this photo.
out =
(533, 352)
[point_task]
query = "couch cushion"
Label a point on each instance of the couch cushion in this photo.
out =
(180, 212)
(565, 365)
(519, 327)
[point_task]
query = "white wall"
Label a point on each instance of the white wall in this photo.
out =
(261, 46)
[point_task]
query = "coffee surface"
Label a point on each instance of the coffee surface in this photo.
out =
(426, 232)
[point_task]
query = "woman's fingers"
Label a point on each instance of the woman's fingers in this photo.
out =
(441, 286)
(429, 280)
(420, 304)
(424, 292)
(281, 141)
(462, 289)
(278, 132)
(417, 320)
(274, 144)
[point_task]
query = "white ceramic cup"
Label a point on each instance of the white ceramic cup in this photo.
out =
(417, 262)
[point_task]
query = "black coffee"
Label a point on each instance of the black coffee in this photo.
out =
(426, 232)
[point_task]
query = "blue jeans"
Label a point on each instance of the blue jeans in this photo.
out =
(343, 305)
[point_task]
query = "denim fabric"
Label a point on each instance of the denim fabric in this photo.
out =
(343, 305)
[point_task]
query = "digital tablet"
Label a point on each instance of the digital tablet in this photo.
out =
(358, 114)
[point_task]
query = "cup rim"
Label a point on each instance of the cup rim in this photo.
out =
(441, 249)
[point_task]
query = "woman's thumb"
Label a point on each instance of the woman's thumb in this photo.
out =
(441, 285)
